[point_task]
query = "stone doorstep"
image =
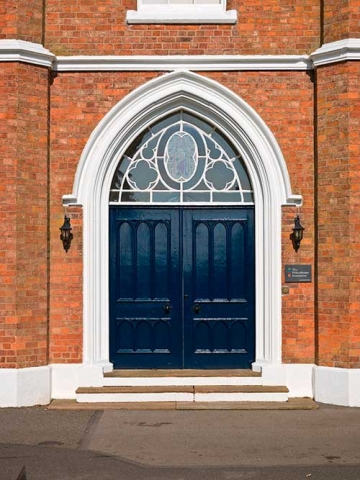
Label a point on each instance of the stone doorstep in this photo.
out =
(184, 389)
(291, 404)
(176, 377)
(175, 393)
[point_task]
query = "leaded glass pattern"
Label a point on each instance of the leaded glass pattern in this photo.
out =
(181, 159)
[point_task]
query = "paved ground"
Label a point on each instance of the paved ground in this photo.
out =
(321, 444)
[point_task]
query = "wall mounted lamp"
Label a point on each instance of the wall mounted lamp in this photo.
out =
(66, 236)
(297, 233)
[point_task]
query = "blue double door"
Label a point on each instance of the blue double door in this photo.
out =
(182, 289)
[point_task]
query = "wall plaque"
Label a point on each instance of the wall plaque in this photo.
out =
(298, 273)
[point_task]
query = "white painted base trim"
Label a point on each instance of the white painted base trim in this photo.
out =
(300, 380)
(273, 374)
(337, 386)
(36, 386)
(25, 387)
(67, 378)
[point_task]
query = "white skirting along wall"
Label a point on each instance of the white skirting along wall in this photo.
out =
(38, 385)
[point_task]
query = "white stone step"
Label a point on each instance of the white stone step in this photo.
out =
(195, 393)
(139, 378)
(240, 393)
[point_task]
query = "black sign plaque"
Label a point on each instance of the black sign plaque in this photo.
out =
(298, 273)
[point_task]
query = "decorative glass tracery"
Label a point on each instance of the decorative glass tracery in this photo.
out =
(181, 159)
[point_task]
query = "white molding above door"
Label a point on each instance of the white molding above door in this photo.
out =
(13, 50)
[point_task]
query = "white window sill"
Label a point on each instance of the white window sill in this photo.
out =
(184, 14)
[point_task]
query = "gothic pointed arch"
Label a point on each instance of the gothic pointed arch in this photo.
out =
(264, 163)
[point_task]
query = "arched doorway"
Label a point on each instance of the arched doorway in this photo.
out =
(182, 262)
(264, 163)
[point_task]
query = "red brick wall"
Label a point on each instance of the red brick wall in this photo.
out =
(23, 253)
(298, 306)
(79, 102)
(66, 301)
(263, 27)
(341, 19)
(36, 299)
(21, 19)
(8, 137)
(353, 94)
(354, 156)
(338, 213)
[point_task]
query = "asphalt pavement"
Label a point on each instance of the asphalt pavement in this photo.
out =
(321, 444)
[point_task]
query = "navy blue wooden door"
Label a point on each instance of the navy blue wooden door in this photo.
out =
(182, 290)
(145, 297)
(219, 304)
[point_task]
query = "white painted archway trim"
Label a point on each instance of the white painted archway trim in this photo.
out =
(267, 170)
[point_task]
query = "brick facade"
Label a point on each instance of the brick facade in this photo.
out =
(275, 96)
(263, 27)
(338, 180)
(24, 211)
(341, 20)
(47, 118)
(22, 19)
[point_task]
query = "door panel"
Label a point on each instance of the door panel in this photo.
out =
(145, 325)
(182, 288)
(219, 288)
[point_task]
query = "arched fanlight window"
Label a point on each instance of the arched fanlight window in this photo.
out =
(181, 159)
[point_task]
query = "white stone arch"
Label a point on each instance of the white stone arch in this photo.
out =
(266, 167)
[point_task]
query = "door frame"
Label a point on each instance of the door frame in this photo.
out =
(267, 170)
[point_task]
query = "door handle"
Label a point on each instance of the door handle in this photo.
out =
(196, 308)
(167, 308)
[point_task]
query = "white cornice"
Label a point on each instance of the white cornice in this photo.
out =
(182, 62)
(340, 51)
(25, 52)
(36, 54)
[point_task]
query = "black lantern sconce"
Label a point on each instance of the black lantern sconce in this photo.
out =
(66, 236)
(297, 233)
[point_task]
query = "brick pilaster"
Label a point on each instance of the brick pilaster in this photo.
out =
(23, 208)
